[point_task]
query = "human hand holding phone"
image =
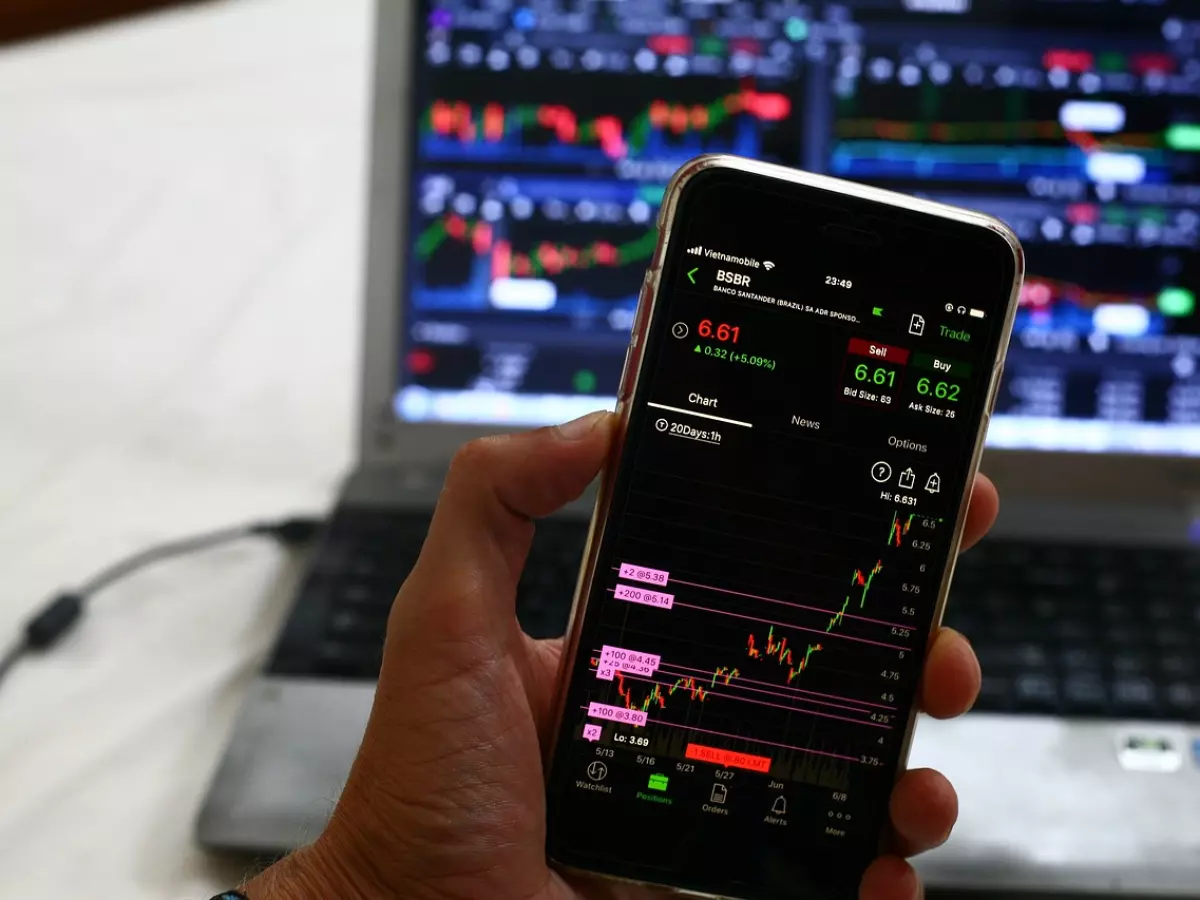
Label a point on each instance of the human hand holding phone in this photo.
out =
(447, 796)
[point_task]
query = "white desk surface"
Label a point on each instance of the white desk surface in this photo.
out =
(181, 211)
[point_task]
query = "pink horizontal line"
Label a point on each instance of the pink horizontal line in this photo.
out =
(796, 709)
(742, 682)
(774, 693)
(844, 637)
(828, 612)
(777, 687)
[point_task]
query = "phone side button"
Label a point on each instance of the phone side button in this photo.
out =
(623, 389)
(996, 379)
(991, 407)
(645, 301)
(656, 258)
(633, 356)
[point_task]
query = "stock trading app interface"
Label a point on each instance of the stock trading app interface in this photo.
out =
(798, 448)
(545, 133)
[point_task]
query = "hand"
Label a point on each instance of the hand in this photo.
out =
(446, 800)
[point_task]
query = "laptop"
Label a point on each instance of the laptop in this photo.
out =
(520, 153)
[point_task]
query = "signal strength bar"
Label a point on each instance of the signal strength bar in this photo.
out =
(696, 251)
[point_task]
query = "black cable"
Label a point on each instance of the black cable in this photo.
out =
(11, 656)
(166, 550)
(54, 620)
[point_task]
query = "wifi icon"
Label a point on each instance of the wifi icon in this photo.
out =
(768, 265)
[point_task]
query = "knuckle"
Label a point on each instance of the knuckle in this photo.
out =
(473, 457)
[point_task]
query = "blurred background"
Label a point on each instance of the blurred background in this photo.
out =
(184, 211)
(181, 221)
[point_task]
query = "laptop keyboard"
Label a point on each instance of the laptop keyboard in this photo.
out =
(1066, 630)
(338, 623)
(1082, 630)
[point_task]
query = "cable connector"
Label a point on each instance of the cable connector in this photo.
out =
(49, 626)
(293, 531)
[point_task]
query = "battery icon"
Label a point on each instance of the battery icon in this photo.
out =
(978, 314)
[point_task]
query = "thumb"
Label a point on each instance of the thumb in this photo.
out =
(483, 524)
(450, 701)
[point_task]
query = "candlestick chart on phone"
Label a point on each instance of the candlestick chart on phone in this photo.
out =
(798, 668)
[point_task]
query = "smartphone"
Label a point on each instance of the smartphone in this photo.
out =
(802, 413)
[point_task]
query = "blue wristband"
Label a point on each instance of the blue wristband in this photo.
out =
(231, 895)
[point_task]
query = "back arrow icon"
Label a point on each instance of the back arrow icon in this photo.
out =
(692, 275)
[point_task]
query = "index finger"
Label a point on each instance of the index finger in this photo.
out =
(952, 677)
(982, 511)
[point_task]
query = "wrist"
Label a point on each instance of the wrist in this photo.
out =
(315, 872)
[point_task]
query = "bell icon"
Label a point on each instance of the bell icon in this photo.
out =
(934, 484)
(779, 807)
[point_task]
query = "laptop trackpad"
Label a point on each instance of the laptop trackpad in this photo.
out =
(1047, 803)
(287, 762)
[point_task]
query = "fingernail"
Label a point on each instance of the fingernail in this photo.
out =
(577, 429)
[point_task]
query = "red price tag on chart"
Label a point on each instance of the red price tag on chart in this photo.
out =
(729, 759)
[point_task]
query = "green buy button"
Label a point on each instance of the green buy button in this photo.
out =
(941, 364)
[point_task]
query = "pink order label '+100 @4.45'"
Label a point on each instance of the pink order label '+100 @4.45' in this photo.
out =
(617, 659)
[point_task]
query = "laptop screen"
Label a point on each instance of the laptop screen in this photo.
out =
(545, 132)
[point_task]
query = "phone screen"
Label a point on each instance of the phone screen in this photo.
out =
(781, 521)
